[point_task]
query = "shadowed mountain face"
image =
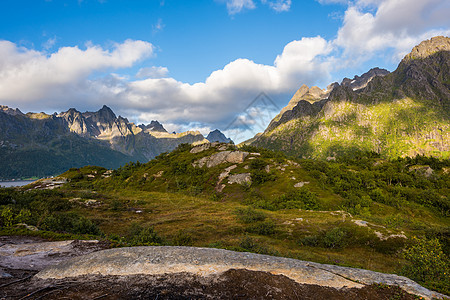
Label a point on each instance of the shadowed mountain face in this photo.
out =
(217, 136)
(403, 113)
(37, 144)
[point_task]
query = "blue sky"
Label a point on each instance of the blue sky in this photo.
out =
(197, 64)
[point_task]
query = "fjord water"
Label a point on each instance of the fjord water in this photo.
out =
(15, 183)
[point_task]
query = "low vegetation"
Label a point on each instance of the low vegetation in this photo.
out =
(360, 211)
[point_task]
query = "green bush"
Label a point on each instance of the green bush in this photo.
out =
(428, 264)
(143, 236)
(249, 215)
(183, 238)
(7, 216)
(335, 238)
(310, 240)
(301, 198)
(69, 222)
(266, 227)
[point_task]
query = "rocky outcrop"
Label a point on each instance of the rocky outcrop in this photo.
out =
(242, 179)
(234, 157)
(204, 262)
(429, 47)
(29, 255)
(359, 82)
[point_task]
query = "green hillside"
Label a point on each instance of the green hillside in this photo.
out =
(361, 211)
(404, 113)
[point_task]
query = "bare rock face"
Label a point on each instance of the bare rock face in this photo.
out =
(208, 261)
(38, 255)
(429, 47)
(359, 82)
(234, 157)
(200, 148)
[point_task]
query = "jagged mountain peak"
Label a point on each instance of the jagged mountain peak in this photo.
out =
(10, 111)
(359, 82)
(153, 126)
(309, 94)
(104, 114)
(218, 136)
(429, 47)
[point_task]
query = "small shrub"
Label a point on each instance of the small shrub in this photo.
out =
(310, 240)
(116, 205)
(257, 164)
(302, 198)
(69, 222)
(250, 215)
(266, 227)
(7, 216)
(24, 216)
(335, 238)
(145, 236)
(388, 246)
(183, 238)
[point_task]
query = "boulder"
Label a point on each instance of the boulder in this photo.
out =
(243, 178)
(301, 184)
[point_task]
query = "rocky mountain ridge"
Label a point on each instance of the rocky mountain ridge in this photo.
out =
(403, 113)
(39, 144)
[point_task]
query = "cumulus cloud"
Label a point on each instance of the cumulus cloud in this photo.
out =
(28, 75)
(152, 72)
(393, 24)
(228, 91)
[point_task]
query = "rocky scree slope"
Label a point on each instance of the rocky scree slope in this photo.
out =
(403, 113)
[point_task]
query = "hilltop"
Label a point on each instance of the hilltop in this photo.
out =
(403, 113)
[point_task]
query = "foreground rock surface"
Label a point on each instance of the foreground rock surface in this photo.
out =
(232, 284)
(206, 262)
(28, 253)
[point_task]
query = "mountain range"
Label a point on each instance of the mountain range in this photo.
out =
(403, 113)
(39, 144)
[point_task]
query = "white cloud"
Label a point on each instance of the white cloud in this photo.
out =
(394, 24)
(278, 5)
(28, 75)
(227, 91)
(63, 79)
(152, 72)
(236, 6)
